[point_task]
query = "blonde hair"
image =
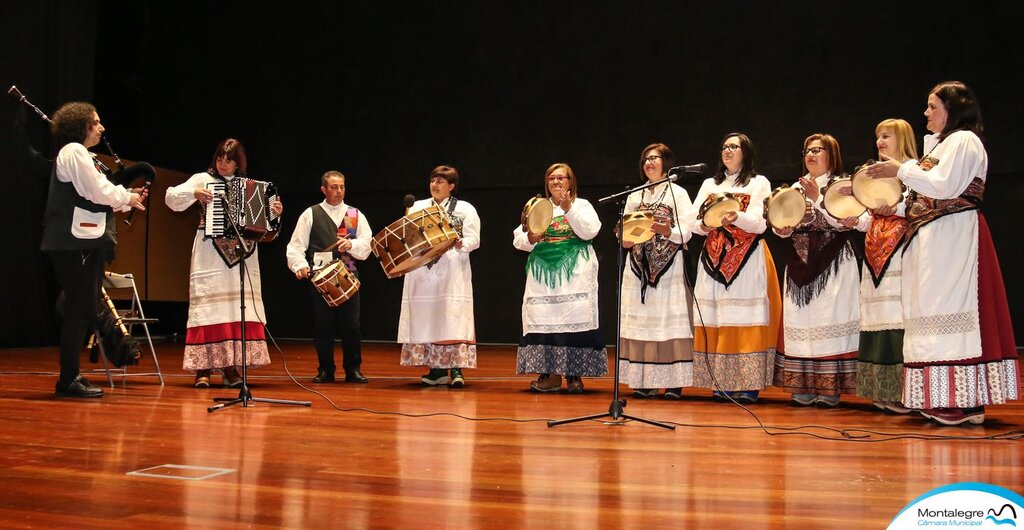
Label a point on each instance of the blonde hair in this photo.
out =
(906, 145)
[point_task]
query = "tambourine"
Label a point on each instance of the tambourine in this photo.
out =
(785, 207)
(638, 227)
(537, 215)
(716, 207)
(876, 193)
(841, 205)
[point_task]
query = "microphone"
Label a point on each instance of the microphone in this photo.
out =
(129, 174)
(408, 201)
(692, 168)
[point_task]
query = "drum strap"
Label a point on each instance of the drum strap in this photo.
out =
(324, 234)
(456, 221)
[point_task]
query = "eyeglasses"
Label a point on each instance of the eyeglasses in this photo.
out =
(652, 158)
(558, 177)
(813, 151)
(731, 147)
(438, 180)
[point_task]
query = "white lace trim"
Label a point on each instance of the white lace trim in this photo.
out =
(947, 324)
(834, 331)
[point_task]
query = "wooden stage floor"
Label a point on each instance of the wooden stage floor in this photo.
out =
(70, 463)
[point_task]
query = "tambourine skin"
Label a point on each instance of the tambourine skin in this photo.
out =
(785, 207)
(637, 227)
(841, 206)
(537, 215)
(716, 207)
(876, 193)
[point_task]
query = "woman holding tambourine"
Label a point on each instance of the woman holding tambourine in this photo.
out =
(958, 350)
(880, 360)
(657, 331)
(561, 336)
(821, 309)
(738, 306)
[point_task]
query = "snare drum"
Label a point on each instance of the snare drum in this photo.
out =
(537, 215)
(638, 227)
(841, 205)
(876, 193)
(336, 283)
(414, 240)
(717, 206)
(785, 207)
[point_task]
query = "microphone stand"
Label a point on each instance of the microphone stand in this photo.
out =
(244, 395)
(615, 409)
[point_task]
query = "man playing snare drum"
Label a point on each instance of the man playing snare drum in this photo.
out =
(325, 233)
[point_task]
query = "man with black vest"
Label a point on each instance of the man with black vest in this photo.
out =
(79, 233)
(325, 233)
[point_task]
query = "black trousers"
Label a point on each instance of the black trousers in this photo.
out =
(80, 273)
(332, 322)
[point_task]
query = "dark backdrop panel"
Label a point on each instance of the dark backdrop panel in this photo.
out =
(46, 49)
(383, 91)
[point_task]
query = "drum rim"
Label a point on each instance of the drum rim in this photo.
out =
(777, 193)
(725, 198)
(535, 205)
(860, 197)
(634, 216)
(391, 265)
(844, 198)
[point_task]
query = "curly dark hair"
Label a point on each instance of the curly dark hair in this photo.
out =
(71, 122)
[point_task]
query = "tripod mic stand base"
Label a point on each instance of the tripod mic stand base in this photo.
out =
(245, 399)
(615, 413)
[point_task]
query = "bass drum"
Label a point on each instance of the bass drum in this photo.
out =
(414, 240)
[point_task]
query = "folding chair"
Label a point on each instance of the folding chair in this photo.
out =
(131, 317)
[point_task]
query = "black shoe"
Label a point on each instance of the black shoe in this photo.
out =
(323, 377)
(79, 388)
(673, 393)
(457, 381)
(355, 376)
(436, 376)
(646, 393)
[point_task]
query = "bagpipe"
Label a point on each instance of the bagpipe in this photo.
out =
(120, 347)
(124, 175)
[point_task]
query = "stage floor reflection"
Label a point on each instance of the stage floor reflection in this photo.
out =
(393, 453)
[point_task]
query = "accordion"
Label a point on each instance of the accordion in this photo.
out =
(243, 203)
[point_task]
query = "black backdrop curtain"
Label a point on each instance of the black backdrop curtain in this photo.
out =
(48, 50)
(383, 91)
